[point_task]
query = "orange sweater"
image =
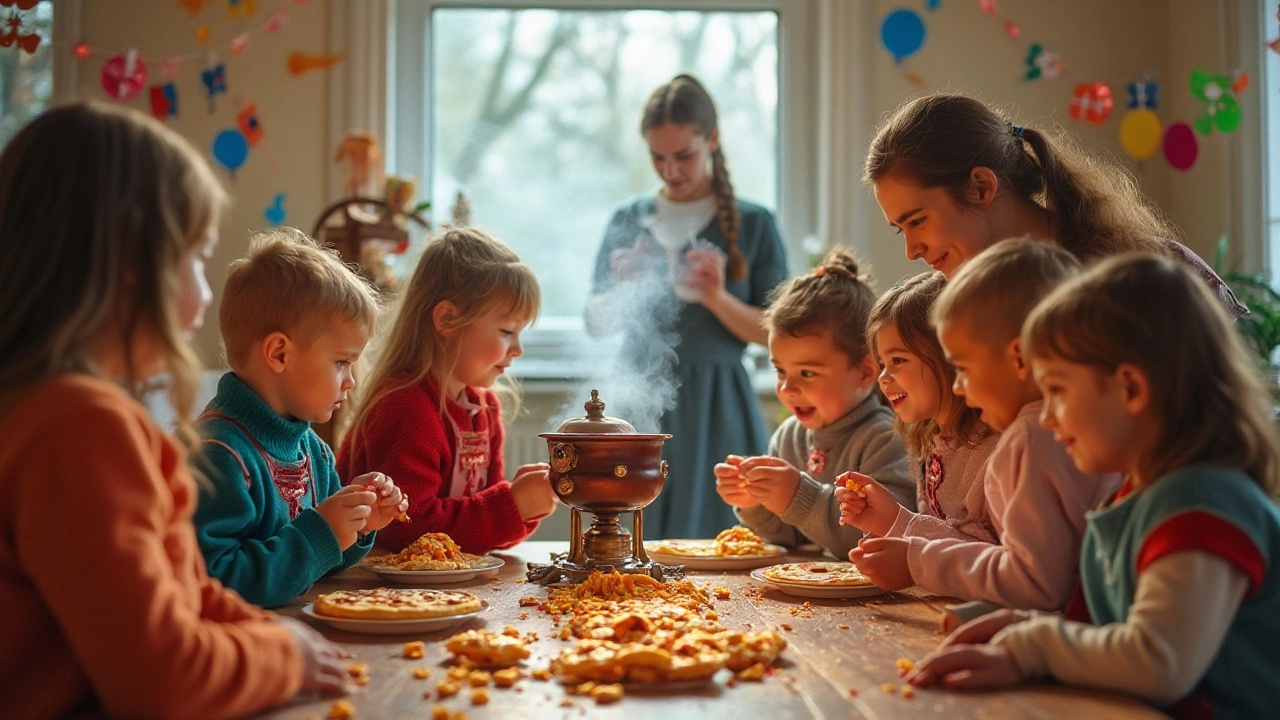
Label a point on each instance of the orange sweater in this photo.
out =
(104, 592)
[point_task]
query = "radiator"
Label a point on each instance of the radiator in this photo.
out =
(522, 447)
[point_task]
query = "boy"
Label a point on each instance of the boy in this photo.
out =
(275, 517)
(1036, 495)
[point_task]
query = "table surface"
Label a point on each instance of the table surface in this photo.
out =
(816, 676)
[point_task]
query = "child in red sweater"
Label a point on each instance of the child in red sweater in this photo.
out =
(107, 219)
(432, 419)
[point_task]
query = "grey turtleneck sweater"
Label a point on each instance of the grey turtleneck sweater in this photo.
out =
(863, 441)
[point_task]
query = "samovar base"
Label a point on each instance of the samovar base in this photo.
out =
(561, 569)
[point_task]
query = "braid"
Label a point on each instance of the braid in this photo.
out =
(727, 216)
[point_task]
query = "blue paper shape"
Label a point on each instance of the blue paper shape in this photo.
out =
(275, 213)
(932, 5)
(231, 149)
(902, 32)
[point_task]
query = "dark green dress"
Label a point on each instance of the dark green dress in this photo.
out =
(716, 412)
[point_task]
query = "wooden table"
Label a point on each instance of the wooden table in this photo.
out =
(820, 667)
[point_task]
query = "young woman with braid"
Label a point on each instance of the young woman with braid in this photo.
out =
(724, 289)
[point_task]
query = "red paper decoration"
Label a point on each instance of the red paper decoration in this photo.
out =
(1091, 102)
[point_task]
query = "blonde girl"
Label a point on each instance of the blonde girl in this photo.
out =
(1142, 374)
(826, 378)
(432, 418)
(954, 176)
(107, 219)
(946, 441)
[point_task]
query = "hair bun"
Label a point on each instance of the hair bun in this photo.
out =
(840, 261)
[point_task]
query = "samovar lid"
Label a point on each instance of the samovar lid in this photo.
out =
(595, 422)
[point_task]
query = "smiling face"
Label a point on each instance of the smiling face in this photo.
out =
(1087, 411)
(912, 387)
(817, 382)
(681, 156)
(486, 349)
(318, 374)
(995, 381)
(935, 227)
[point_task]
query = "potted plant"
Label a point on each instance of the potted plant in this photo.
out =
(1261, 327)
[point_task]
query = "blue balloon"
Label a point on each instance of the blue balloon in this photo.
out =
(902, 33)
(231, 148)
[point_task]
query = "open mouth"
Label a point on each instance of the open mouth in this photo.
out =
(895, 399)
(804, 414)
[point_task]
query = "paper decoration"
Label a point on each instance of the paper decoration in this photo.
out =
(902, 33)
(202, 34)
(239, 43)
(932, 5)
(276, 22)
(164, 101)
(1012, 29)
(123, 76)
(249, 125)
(1140, 133)
(1180, 146)
(300, 63)
(1144, 93)
(23, 5)
(82, 51)
(13, 35)
(238, 8)
(231, 149)
(169, 67)
(214, 79)
(1221, 109)
(275, 212)
(987, 6)
(1043, 63)
(193, 6)
(1091, 102)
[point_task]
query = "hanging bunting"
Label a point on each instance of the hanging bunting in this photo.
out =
(237, 8)
(193, 6)
(276, 22)
(82, 51)
(275, 213)
(1091, 102)
(214, 78)
(123, 76)
(164, 101)
(202, 34)
(1043, 63)
(1180, 146)
(231, 149)
(1221, 110)
(1012, 29)
(902, 33)
(1144, 93)
(249, 125)
(13, 34)
(987, 6)
(299, 63)
(239, 43)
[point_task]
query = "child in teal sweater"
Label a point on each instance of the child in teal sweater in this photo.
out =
(274, 516)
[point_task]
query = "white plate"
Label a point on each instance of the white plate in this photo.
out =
(433, 577)
(818, 591)
(713, 562)
(393, 627)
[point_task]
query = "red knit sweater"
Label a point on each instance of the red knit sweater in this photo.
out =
(406, 438)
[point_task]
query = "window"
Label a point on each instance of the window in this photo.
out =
(26, 79)
(533, 110)
(1269, 94)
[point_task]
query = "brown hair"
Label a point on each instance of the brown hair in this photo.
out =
(289, 283)
(98, 205)
(1001, 286)
(833, 298)
(474, 271)
(684, 101)
(907, 306)
(936, 141)
(1206, 392)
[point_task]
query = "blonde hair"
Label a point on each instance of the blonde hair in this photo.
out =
(833, 298)
(98, 205)
(1206, 392)
(477, 273)
(995, 291)
(938, 139)
(289, 283)
(907, 306)
(685, 101)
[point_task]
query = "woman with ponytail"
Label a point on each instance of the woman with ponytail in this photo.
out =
(723, 257)
(954, 177)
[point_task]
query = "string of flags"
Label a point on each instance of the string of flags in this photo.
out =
(1142, 134)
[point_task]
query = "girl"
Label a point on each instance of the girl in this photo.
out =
(726, 280)
(107, 219)
(947, 442)
(826, 378)
(431, 420)
(1178, 573)
(954, 177)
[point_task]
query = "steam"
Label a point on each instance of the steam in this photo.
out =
(636, 377)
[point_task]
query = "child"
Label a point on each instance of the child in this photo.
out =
(826, 378)
(430, 418)
(1143, 375)
(1036, 496)
(276, 517)
(948, 444)
(107, 219)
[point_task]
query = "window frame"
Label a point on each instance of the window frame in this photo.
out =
(408, 99)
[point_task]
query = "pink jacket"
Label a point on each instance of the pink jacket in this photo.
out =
(1037, 499)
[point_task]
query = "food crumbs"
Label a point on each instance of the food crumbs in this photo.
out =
(341, 710)
(414, 650)
(480, 696)
(422, 673)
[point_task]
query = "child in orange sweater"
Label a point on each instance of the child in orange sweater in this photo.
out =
(107, 219)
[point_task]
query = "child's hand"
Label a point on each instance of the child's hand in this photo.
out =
(730, 484)
(531, 490)
(980, 630)
(968, 667)
(346, 511)
(322, 667)
(390, 503)
(884, 562)
(870, 507)
(771, 482)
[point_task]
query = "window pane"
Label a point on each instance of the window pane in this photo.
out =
(536, 117)
(26, 80)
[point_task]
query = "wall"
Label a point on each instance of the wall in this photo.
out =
(294, 157)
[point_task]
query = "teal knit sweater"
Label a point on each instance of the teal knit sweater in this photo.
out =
(242, 522)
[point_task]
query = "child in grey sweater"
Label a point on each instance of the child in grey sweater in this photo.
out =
(827, 379)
